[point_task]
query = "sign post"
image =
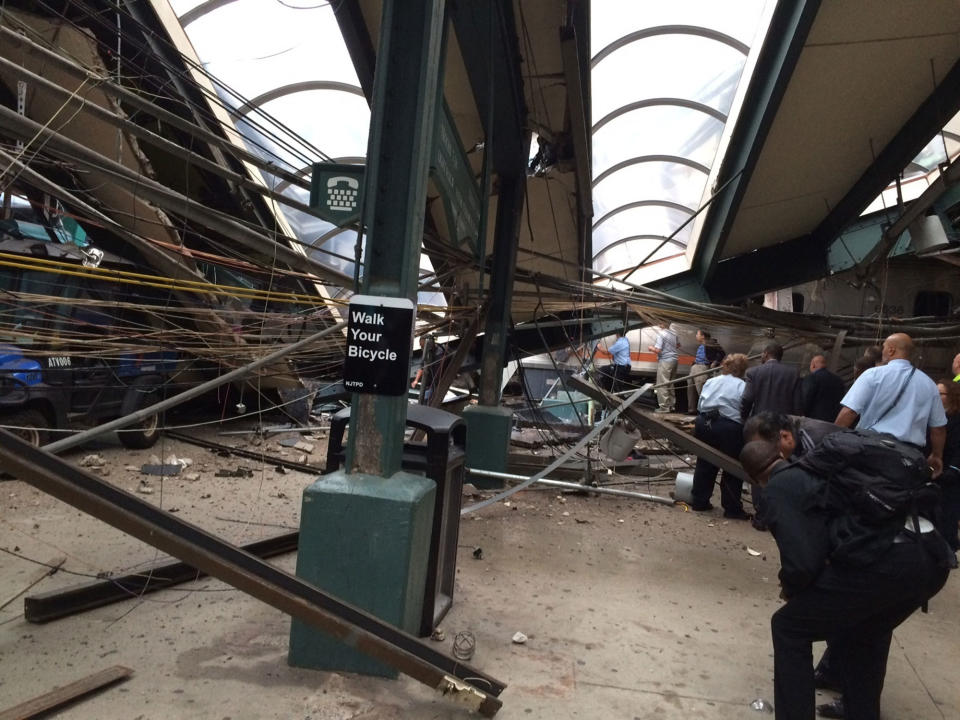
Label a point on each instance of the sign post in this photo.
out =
(379, 337)
(335, 192)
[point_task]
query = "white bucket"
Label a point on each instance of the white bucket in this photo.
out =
(683, 489)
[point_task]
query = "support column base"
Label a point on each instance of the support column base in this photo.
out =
(366, 540)
(488, 442)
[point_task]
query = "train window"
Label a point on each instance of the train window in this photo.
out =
(932, 303)
(797, 302)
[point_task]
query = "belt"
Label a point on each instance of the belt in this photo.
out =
(905, 537)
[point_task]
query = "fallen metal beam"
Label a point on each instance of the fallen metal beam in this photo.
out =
(239, 452)
(143, 413)
(67, 694)
(128, 98)
(23, 128)
(653, 424)
(284, 591)
(69, 601)
(574, 486)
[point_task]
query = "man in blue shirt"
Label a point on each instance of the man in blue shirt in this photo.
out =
(893, 398)
(709, 355)
(617, 373)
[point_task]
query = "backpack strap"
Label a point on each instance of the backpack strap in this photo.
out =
(899, 395)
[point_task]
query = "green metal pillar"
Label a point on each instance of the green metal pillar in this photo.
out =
(365, 530)
(488, 424)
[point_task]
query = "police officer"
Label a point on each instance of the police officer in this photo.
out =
(894, 398)
(855, 606)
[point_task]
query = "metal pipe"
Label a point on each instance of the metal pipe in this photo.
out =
(597, 429)
(145, 135)
(131, 98)
(573, 486)
(170, 200)
(82, 437)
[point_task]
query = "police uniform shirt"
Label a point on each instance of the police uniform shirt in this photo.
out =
(918, 408)
(621, 351)
(723, 394)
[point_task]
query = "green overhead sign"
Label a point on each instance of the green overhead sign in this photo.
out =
(335, 192)
(458, 188)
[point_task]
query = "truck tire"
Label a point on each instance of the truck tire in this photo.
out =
(146, 433)
(30, 425)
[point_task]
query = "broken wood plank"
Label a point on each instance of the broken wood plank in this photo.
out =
(67, 694)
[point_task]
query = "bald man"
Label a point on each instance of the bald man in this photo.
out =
(893, 398)
(821, 391)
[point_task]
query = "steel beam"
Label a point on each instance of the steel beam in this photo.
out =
(170, 200)
(247, 573)
(786, 36)
(196, 391)
(402, 126)
(653, 424)
(933, 113)
(768, 268)
(69, 601)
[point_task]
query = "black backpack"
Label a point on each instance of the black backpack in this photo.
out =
(874, 482)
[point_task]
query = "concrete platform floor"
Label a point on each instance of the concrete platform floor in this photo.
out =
(632, 610)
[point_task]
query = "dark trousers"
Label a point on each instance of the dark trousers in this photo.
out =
(727, 437)
(856, 609)
(950, 507)
(615, 377)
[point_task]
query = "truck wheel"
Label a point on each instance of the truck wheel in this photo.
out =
(30, 425)
(147, 432)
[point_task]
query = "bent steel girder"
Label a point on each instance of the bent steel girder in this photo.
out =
(248, 573)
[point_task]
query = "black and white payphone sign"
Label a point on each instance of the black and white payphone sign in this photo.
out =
(379, 336)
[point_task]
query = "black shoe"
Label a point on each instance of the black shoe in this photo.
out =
(832, 709)
(823, 681)
(758, 524)
(737, 515)
(701, 508)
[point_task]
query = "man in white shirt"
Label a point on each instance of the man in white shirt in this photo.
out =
(666, 349)
(893, 398)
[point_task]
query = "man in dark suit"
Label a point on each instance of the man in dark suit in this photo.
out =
(821, 391)
(771, 387)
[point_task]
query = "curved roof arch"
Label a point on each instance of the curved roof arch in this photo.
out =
(298, 87)
(669, 30)
(700, 52)
(642, 203)
(662, 239)
(658, 102)
(676, 159)
(202, 9)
